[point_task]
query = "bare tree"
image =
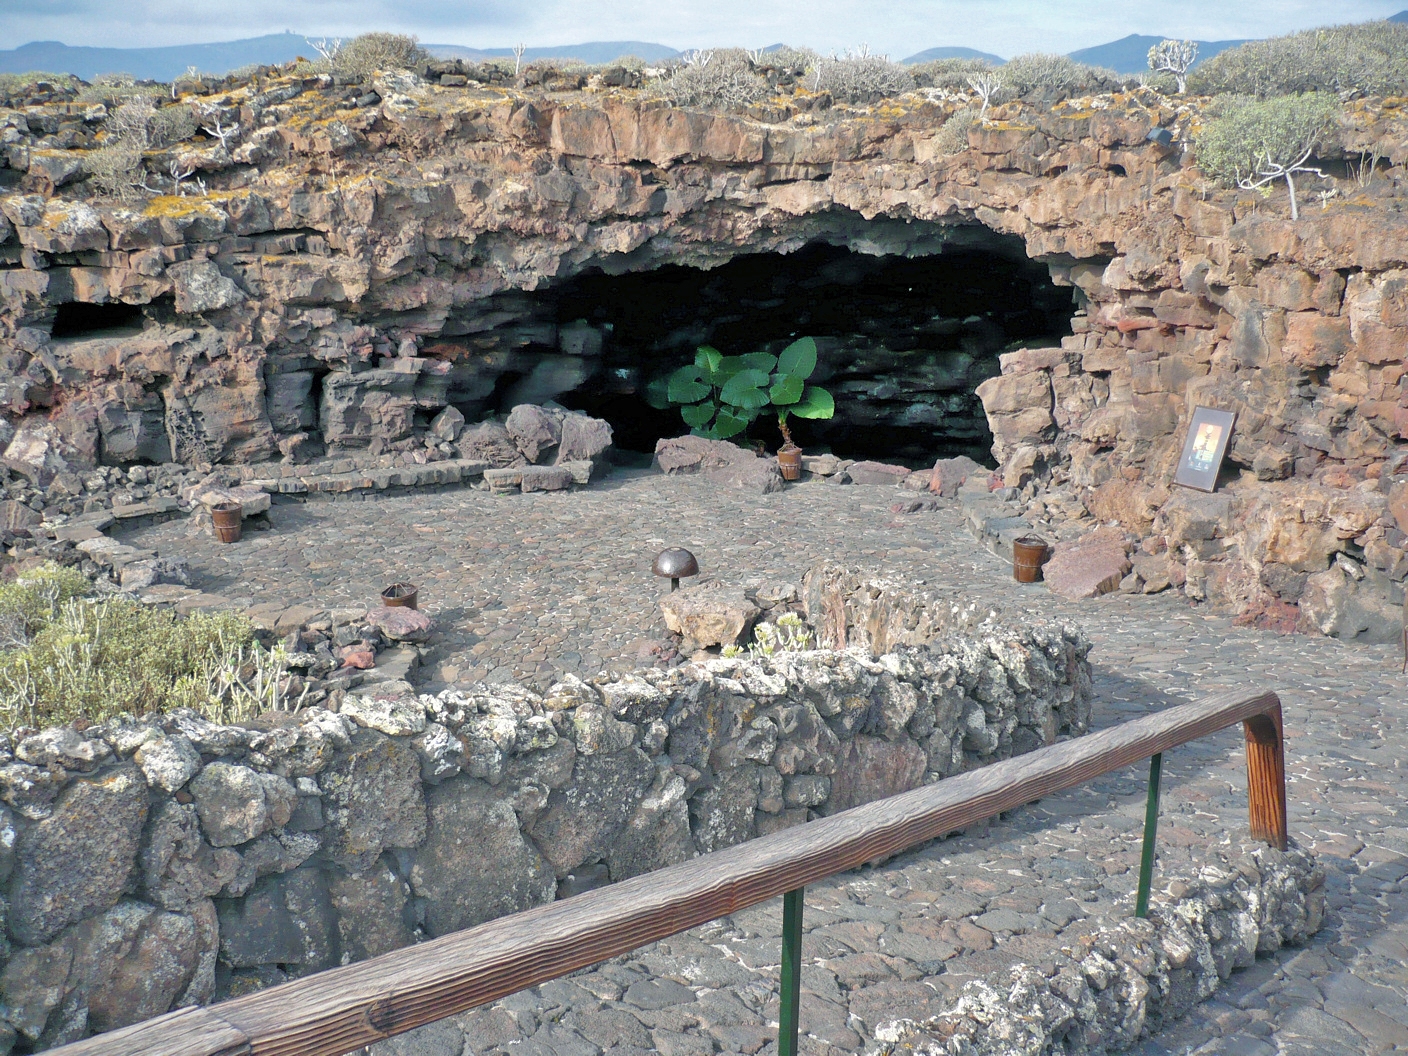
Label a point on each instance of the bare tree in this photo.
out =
(182, 169)
(1268, 170)
(326, 49)
(215, 126)
(986, 85)
(1175, 57)
(518, 50)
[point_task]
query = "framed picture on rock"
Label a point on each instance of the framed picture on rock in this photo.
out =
(1208, 434)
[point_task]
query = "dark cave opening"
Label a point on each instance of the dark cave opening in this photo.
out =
(82, 319)
(903, 341)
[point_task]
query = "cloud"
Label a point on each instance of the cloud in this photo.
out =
(898, 27)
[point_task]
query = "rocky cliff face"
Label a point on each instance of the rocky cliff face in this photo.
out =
(362, 259)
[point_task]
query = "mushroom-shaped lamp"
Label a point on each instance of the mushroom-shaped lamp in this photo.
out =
(676, 564)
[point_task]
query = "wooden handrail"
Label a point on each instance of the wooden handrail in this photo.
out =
(339, 1010)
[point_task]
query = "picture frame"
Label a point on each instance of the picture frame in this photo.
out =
(1204, 448)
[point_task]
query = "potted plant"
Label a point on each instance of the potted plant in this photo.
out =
(720, 396)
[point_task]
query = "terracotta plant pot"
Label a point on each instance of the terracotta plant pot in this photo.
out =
(1028, 555)
(789, 461)
(401, 596)
(226, 518)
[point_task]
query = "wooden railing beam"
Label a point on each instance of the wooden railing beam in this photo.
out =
(336, 1011)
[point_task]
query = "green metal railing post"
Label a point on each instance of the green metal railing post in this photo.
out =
(1151, 827)
(791, 972)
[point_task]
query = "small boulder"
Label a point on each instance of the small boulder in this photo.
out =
(448, 425)
(708, 615)
(1094, 564)
(546, 478)
(200, 287)
(950, 474)
(140, 575)
(876, 473)
(583, 439)
(15, 514)
(401, 624)
(719, 461)
(391, 715)
(489, 442)
(168, 762)
(534, 430)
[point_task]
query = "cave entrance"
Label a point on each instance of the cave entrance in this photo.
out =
(903, 341)
(84, 319)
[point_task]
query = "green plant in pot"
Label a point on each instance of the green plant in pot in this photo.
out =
(720, 396)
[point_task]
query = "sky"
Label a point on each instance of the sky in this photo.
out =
(895, 27)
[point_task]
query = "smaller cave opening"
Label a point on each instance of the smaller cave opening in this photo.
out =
(85, 319)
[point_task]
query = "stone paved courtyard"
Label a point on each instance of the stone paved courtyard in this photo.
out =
(527, 585)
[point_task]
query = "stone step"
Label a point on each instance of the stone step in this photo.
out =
(450, 471)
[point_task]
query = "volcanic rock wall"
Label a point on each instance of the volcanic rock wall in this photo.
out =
(170, 861)
(336, 286)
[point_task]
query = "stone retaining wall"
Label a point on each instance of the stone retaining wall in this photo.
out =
(163, 862)
(1134, 978)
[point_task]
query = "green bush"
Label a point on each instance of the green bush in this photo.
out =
(68, 656)
(34, 599)
(1055, 75)
(953, 135)
(362, 56)
(1249, 142)
(1370, 57)
(949, 74)
(721, 80)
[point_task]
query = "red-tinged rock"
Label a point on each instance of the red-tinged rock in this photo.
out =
(358, 657)
(950, 474)
(876, 473)
(1092, 565)
(401, 624)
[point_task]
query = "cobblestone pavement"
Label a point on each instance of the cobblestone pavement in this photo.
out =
(525, 585)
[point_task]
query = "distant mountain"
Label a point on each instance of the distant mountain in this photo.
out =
(594, 52)
(158, 64)
(1131, 54)
(953, 53)
(1402, 16)
(162, 64)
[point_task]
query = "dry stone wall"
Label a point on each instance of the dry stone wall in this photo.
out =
(1129, 980)
(156, 863)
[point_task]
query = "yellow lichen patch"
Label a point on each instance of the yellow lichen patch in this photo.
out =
(170, 205)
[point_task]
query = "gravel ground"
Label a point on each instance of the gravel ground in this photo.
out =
(524, 586)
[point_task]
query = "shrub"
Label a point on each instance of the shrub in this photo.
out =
(949, 74)
(1369, 57)
(1251, 142)
(17, 83)
(787, 59)
(34, 599)
(953, 135)
(717, 80)
(1054, 75)
(362, 56)
(84, 658)
(114, 89)
(859, 77)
